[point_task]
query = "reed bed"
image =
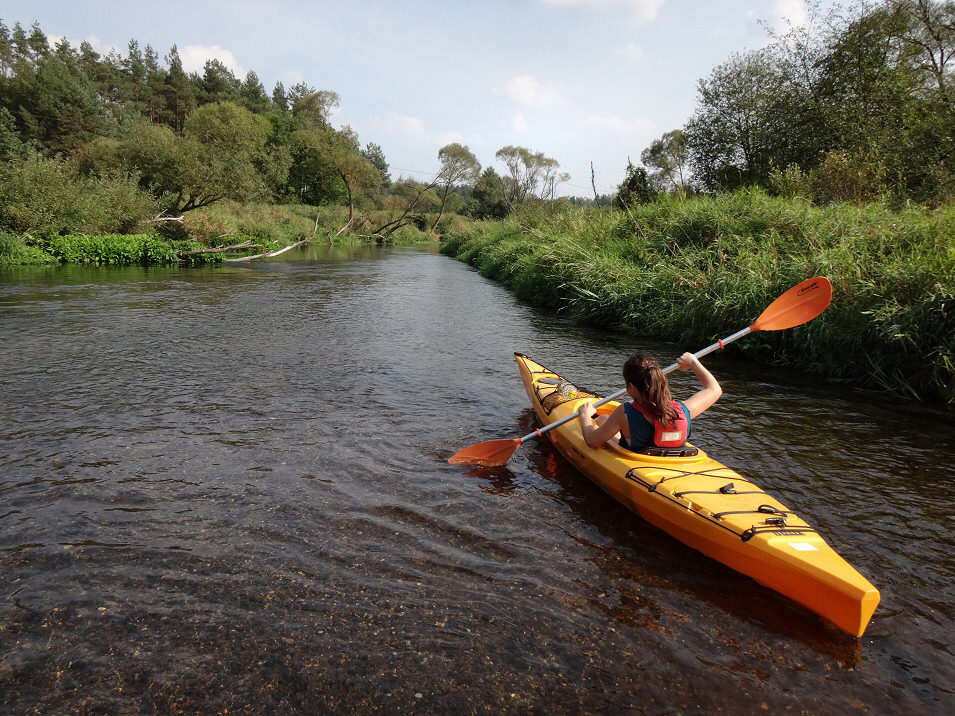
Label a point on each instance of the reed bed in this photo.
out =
(693, 270)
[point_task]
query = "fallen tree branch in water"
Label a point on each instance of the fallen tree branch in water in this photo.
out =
(221, 249)
(270, 254)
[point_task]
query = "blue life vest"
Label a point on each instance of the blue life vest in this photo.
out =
(646, 432)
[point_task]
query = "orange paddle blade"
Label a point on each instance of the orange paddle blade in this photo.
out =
(798, 305)
(488, 454)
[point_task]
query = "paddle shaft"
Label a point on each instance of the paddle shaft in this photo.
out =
(669, 369)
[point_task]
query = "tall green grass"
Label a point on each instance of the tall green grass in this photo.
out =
(693, 270)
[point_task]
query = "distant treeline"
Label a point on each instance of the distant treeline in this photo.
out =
(857, 106)
(107, 143)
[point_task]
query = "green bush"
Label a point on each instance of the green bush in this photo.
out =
(15, 251)
(113, 249)
(44, 197)
(272, 224)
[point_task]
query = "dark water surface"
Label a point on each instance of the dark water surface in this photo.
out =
(226, 489)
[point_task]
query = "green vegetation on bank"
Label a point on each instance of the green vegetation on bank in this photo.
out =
(263, 227)
(695, 270)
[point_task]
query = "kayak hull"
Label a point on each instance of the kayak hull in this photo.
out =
(710, 508)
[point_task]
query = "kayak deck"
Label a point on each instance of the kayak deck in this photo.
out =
(709, 507)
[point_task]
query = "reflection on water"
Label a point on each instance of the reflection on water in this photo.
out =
(226, 489)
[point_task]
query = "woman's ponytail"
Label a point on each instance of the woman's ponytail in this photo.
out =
(645, 374)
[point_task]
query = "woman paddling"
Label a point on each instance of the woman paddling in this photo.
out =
(654, 418)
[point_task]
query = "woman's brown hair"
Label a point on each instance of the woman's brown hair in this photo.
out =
(644, 373)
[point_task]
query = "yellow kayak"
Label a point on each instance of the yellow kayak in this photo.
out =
(709, 507)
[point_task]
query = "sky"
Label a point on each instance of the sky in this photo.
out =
(589, 83)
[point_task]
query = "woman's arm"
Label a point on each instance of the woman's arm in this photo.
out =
(711, 392)
(596, 435)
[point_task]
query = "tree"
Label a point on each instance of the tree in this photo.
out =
(230, 141)
(226, 125)
(458, 165)
(39, 46)
(218, 84)
(12, 150)
(487, 200)
(863, 98)
(733, 135)
(329, 167)
(405, 204)
(155, 90)
(931, 41)
(160, 159)
(136, 92)
(57, 110)
(667, 157)
(636, 188)
(886, 88)
(215, 159)
(931, 37)
(532, 175)
(252, 94)
(357, 173)
(20, 50)
(373, 153)
(280, 98)
(313, 108)
(6, 52)
(177, 92)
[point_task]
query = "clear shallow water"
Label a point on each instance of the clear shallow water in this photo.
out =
(227, 489)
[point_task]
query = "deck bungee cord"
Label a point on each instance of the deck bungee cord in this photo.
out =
(776, 524)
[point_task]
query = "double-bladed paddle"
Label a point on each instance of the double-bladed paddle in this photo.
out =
(798, 305)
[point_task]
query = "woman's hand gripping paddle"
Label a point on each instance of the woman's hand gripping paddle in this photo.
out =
(798, 305)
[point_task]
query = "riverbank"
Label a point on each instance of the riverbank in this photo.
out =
(699, 269)
(256, 228)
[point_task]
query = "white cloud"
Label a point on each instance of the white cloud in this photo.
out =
(519, 123)
(642, 10)
(194, 58)
(527, 91)
(633, 52)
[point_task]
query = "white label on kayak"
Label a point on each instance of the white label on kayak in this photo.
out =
(802, 547)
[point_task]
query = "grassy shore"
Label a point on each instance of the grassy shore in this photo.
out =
(268, 227)
(693, 270)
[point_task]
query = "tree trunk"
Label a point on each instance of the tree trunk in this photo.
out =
(220, 249)
(270, 254)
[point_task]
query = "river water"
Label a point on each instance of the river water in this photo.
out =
(226, 490)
